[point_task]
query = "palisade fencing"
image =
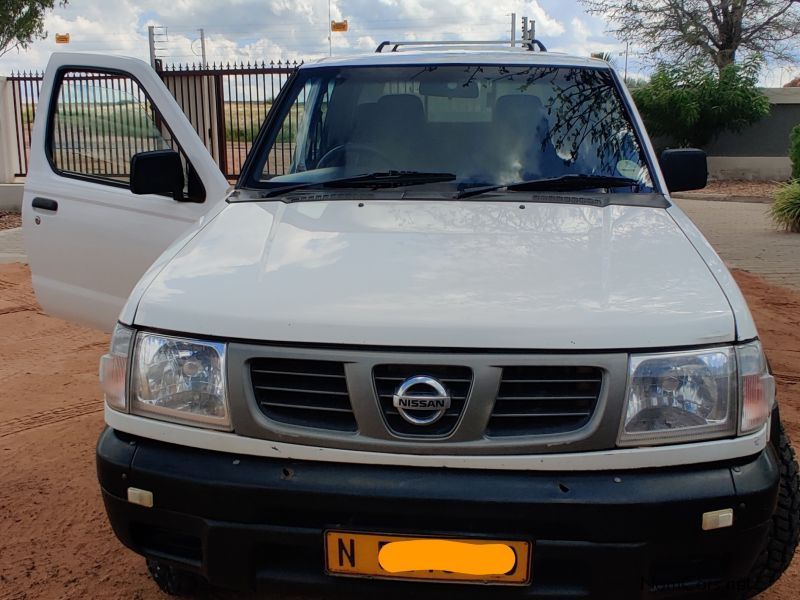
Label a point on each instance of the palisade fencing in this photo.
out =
(226, 104)
(25, 89)
(100, 120)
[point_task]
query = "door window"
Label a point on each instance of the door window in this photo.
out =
(99, 121)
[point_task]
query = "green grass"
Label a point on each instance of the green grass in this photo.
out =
(27, 111)
(785, 210)
(242, 120)
(120, 120)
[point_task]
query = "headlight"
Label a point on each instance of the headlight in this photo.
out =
(114, 368)
(180, 380)
(680, 397)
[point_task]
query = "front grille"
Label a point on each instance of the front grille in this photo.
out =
(307, 393)
(544, 400)
(457, 381)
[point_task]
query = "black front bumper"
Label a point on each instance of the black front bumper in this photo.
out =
(252, 523)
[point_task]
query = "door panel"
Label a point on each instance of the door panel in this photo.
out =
(88, 238)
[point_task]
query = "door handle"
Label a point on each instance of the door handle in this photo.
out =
(45, 204)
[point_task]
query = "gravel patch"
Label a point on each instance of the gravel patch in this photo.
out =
(10, 220)
(753, 189)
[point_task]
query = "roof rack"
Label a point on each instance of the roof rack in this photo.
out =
(529, 45)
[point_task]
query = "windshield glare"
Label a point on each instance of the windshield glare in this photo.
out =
(487, 125)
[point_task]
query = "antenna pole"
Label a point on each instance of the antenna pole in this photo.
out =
(627, 46)
(203, 47)
(151, 38)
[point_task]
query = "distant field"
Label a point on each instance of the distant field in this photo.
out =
(104, 134)
(242, 120)
(116, 120)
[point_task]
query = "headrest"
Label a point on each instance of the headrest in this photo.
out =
(519, 108)
(366, 121)
(403, 109)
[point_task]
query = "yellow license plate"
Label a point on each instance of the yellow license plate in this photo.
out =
(417, 557)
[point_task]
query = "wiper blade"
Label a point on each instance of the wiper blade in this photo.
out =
(380, 179)
(564, 183)
(574, 182)
(391, 179)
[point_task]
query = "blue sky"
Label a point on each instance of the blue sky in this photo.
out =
(255, 30)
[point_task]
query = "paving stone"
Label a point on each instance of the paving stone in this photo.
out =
(746, 238)
(11, 247)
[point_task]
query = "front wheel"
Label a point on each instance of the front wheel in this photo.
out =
(785, 528)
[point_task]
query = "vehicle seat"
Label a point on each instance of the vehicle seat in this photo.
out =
(366, 123)
(522, 147)
(403, 129)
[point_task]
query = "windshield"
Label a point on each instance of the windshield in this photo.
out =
(482, 125)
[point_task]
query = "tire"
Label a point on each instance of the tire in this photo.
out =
(170, 580)
(783, 534)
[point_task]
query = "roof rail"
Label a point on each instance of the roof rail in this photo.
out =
(529, 45)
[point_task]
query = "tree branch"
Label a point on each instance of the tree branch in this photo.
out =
(768, 22)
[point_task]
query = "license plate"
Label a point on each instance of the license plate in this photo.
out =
(461, 560)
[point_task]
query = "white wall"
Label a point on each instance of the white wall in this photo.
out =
(7, 133)
(752, 168)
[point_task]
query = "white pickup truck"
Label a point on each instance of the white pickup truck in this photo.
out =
(448, 328)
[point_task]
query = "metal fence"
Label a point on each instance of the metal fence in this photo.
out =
(25, 89)
(226, 104)
(100, 120)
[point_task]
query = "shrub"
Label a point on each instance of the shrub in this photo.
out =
(690, 104)
(794, 152)
(785, 209)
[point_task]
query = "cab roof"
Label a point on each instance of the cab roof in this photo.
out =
(458, 56)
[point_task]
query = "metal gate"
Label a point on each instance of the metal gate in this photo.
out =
(226, 104)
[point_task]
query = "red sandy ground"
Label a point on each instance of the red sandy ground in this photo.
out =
(54, 538)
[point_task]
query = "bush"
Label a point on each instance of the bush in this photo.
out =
(794, 152)
(693, 103)
(785, 209)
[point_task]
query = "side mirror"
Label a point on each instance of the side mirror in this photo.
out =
(684, 169)
(157, 172)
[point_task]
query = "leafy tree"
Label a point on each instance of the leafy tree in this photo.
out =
(634, 83)
(794, 152)
(679, 31)
(690, 105)
(606, 56)
(22, 22)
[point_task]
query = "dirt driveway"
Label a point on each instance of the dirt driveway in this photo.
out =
(54, 538)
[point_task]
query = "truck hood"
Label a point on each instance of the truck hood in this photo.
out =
(442, 274)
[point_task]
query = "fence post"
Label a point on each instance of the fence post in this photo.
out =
(8, 138)
(219, 102)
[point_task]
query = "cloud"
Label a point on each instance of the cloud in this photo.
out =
(545, 24)
(251, 30)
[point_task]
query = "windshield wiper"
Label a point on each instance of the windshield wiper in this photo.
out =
(379, 179)
(570, 182)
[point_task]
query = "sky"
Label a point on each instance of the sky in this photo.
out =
(256, 30)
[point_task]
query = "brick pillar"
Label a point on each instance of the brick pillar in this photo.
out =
(8, 136)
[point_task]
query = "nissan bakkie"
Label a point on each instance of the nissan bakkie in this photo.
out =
(447, 335)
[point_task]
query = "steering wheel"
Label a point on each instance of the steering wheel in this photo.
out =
(329, 158)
